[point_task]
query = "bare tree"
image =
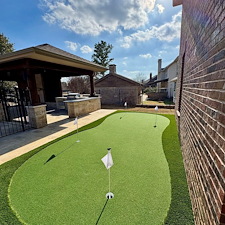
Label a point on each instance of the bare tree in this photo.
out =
(79, 84)
(140, 78)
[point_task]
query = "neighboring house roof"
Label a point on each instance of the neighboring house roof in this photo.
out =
(154, 79)
(49, 53)
(162, 80)
(148, 81)
(174, 61)
(115, 75)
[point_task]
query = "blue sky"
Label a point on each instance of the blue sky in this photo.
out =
(141, 31)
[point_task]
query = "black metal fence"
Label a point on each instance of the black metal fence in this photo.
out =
(13, 113)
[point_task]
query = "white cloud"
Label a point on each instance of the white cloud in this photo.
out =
(93, 16)
(146, 56)
(86, 49)
(166, 32)
(161, 53)
(160, 8)
(120, 32)
(71, 45)
(135, 72)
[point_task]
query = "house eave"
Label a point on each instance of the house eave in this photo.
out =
(43, 55)
(158, 81)
(177, 2)
(173, 80)
(120, 77)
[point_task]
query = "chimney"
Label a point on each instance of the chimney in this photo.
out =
(159, 65)
(112, 68)
(150, 77)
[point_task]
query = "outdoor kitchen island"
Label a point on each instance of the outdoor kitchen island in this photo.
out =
(82, 106)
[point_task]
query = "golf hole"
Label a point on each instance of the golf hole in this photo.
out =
(109, 195)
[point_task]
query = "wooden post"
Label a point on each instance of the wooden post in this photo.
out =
(35, 100)
(92, 85)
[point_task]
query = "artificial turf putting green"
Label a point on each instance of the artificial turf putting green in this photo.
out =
(71, 188)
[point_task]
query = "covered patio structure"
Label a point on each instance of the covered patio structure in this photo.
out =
(39, 70)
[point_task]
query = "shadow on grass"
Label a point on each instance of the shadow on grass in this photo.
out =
(102, 211)
(168, 101)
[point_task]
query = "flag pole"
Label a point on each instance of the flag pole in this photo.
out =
(77, 132)
(76, 123)
(155, 119)
(109, 195)
(76, 114)
(109, 179)
(125, 105)
(156, 109)
(109, 150)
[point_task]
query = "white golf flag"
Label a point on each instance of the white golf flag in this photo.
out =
(75, 121)
(125, 104)
(156, 108)
(107, 160)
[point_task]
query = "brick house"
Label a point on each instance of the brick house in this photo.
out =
(116, 89)
(200, 106)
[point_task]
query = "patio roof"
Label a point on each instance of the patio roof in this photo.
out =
(51, 54)
(134, 83)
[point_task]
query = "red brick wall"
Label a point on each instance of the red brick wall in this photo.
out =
(201, 103)
(116, 91)
(119, 95)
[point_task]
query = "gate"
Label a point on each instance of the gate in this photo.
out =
(13, 114)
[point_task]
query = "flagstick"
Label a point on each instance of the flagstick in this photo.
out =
(155, 119)
(109, 150)
(109, 179)
(77, 132)
(109, 195)
(125, 105)
(156, 109)
(76, 114)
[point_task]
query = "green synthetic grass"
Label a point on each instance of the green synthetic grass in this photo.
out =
(180, 208)
(71, 188)
(7, 217)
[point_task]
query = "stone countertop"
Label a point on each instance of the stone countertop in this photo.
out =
(81, 99)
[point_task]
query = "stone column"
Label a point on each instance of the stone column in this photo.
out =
(37, 116)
